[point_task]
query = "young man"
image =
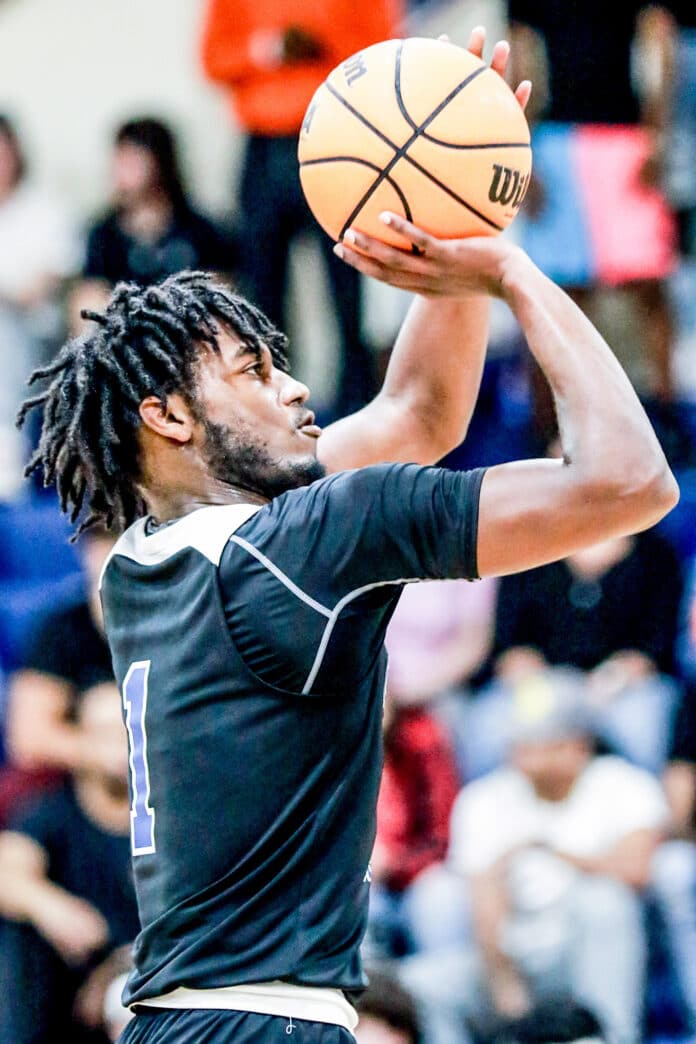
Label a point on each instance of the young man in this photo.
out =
(246, 605)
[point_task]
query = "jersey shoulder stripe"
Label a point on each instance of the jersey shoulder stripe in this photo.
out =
(206, 530)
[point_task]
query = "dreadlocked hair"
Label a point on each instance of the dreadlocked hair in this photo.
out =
(147, 342)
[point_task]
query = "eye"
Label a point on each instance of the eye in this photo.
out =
(256, 367)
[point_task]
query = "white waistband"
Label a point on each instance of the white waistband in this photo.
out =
(313, 1003)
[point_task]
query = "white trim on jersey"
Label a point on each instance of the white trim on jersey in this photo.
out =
(283, 999)
(337, 610)
(207, 530)
(283, 577)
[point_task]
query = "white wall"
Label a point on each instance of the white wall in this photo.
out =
(70, 70)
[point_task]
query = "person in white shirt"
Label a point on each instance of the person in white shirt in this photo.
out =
(39, 249)
(555, 849)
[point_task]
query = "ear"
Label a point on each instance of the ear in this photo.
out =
(170, 418)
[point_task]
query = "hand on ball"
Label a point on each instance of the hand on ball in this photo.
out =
(436, 267)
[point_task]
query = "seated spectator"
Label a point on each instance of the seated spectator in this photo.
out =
(66, 894)
(674, 867)
(611, 611)
(68, 655)
(151, 230)
(387, 1013)
(409, 899)
(39, 250)
(439, 637)
(555, 849)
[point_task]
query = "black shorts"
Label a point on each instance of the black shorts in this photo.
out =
(198, 1026)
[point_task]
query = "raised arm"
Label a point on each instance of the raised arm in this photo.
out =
(613, 477)
(434, 374)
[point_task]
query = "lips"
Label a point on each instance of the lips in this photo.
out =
(308, 427)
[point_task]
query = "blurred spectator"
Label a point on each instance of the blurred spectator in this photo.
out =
(678, 146)
(555, 849)
(39, 249)
(610, 610)
(116, 1017)
(67, 896)
(67, 657)
(409, 901)
(387, 1013)
(152, 229)
(674, 868)
(271, 57)
(439, 635)
(596, 172)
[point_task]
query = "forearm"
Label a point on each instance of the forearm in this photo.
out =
(629, 861)
(435, 369)
(25, 897)
(490, 910)
(655, 44)
(61, 747)
(429, 390)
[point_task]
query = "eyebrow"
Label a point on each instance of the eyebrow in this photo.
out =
(248, 349)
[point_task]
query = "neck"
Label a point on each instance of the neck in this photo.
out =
(167, 505)
(558, 790)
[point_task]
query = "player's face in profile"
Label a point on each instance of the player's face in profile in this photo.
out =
(258, 432)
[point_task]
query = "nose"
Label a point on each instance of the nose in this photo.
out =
(293, 391)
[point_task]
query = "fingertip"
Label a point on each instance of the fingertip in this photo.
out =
(338, 250)
(386, 217)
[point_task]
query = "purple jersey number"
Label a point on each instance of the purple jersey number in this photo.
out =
(135, 705)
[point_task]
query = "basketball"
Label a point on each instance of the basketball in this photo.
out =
(419, 127)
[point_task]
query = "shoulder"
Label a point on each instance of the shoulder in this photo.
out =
(612, 777)
(494, 793)
(205, 531)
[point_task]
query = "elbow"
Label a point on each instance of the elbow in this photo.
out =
(656, 492)
(637, 497)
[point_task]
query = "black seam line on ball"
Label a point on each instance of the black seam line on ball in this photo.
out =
(487, 145)
(431, 177)
(403, 150)
(397, 86)
(359, 116)
(364, 163)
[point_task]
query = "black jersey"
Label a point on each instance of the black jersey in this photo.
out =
(248, 644)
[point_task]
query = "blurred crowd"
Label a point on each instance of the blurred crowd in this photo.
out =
(534, 873)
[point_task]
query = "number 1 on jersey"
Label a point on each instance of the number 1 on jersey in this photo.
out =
(135, 705)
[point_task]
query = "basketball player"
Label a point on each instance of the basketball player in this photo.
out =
(247, 602)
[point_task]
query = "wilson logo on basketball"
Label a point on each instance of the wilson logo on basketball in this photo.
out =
(354, 68)
(508, 186)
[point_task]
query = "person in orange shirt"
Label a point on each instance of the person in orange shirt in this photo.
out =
(271, 57)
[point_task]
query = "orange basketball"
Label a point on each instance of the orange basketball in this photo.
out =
(419, 127)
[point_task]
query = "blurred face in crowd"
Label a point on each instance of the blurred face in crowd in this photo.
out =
(10, 165)
(94, 550)
(552, 766)
(135, 174)
(371, 1030)
(100, 720)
